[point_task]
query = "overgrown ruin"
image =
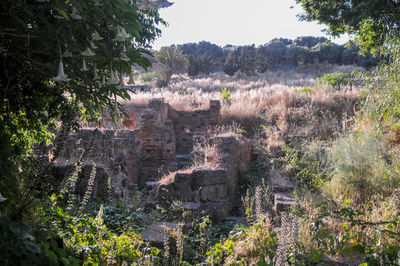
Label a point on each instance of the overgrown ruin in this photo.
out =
(154, 141)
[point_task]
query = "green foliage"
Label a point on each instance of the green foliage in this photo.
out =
(308, 166)
(226, 96)
(36, 37)
(202, 57)
(278, 54)
(362, 168)
(173, 61)
(371, 21)
(149, 76)
(248, 202)
(22, 244)
(335, 81)
(39, 39)
(356, 234)
(257, 242)
(91, 241)
(382, 102)
(304, 90)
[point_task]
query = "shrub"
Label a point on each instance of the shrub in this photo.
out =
(226, 96)
(304, 90)
(362, 168)
(246, 246)
(149, 76)
(335, 80)
(308, 166)
(383, 98)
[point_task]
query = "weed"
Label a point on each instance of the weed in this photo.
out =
(362, 169)
(226, 96)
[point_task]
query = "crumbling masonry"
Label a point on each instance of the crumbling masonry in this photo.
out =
(155, 140)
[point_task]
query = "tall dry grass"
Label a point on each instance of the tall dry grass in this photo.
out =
(319, 113)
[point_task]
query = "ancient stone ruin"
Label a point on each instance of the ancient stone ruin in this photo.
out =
(154, 141)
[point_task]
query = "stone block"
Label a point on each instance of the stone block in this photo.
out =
(279, 181)
(205, 177)
(209, 193)
(283, 201)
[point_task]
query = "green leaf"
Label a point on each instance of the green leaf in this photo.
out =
(262, 262)
(62, 13)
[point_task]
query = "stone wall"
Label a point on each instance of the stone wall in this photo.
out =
(190, 124)
(143, 146)
(159, 142)
(212, 188)
(117, 153)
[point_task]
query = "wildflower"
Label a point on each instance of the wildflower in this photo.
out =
(89, 188)
(257, 197)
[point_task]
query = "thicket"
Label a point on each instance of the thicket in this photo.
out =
(205, 57)
(61, 61)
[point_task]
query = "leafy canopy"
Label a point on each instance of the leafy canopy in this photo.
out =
(64, 59)
(372, 21)
(36, 35)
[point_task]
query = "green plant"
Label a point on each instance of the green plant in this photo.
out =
(382, 98)
(91, 240)
(335, 81)
(304, 90)
(226, 96)
(250, 245)
(248, 202)
(173, 61)
(363, 168)
(355, 233)
(149, 76)
(308, 165)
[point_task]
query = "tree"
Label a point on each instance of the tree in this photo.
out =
(61, 60)
(372, 21)
(173, 61)
(247, 60)
(231, 64)
(308, 41)
(262, 59)
(277, 51)
(203, 57)
(328, 52)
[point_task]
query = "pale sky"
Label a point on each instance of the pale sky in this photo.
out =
(236, 22)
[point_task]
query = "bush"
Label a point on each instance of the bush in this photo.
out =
(383, 97)
(308, 165)
(149, 76)
(335, 80)
(362, 168)
(304, 90)
(246, 246)
(226, 97)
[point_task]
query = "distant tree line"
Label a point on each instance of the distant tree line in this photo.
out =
(205, 57)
